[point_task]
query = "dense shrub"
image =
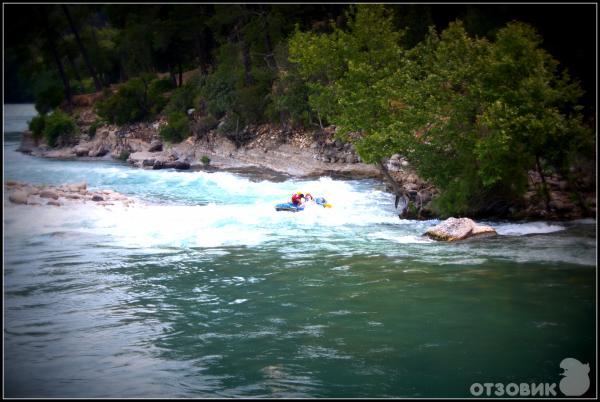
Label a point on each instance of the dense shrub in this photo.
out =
(177, 128)
(204, 124)
(181, 100)
(36, 125)
(58, 124)
(93, 127)
(288, 99)
(48, 96)
(136, 100)
(124, 155)
(160, 86)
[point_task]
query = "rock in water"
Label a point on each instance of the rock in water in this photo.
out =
(18, 196)
(49, 194)
(458, 229)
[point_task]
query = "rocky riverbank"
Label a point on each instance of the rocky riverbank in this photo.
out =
(63, 195)
(296, 153)
(301, 154)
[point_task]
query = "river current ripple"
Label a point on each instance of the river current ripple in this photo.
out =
(202, 289)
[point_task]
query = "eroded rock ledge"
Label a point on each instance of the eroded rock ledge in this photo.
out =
(63, 195)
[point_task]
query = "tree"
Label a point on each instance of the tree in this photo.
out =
(473, 116)
(82, 48)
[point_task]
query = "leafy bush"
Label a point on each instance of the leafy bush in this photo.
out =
(124, 155)
(219, 93)
(58, 124)
(36, 125)
(230, 90)
(160, 86)
(288, 99)
(204, 124)
(136, 100)
(177, 128)
(94, 126)
(48, 96)
(181, 100)
(205, 159)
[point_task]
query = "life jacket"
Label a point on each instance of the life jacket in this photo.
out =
(296, 198)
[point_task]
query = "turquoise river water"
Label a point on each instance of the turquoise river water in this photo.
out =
(202, 289)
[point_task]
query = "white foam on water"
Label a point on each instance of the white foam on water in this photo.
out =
(520, 229)
(211, 225)
(397, 237)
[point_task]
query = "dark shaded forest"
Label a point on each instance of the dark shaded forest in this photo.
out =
(569, 32)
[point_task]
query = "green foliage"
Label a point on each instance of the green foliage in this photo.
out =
(124, 155)
(58, 124)
(345, 70)
(36, 125)
(289, 94)
(473, 116)
(177, 128)
(160, 86)
(136, 100)
(181, 99)
(94, 126)
(49, 94)
(204, 124)
(241, 83)
(205, 160)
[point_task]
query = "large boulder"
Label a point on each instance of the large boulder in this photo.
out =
(453, 229)
(82, 150)
(99, 150)
(155, 146)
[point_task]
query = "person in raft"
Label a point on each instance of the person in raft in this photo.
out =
(303, 200)
(298, 199)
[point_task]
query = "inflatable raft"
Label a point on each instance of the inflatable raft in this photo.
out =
(291, 207)
(288, 206)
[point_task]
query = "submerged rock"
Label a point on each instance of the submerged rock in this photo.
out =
(453, 229)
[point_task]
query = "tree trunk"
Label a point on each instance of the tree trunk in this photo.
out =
(398, 189)
(82, 49)
(572, 183)
(56, 57)
(268, 43)
(73, 67)
(544, 185)
(172, 75)
(247, 64)
(61, 71)
(180, 69)
(75, 71)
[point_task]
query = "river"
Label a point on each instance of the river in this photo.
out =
(202, 289)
